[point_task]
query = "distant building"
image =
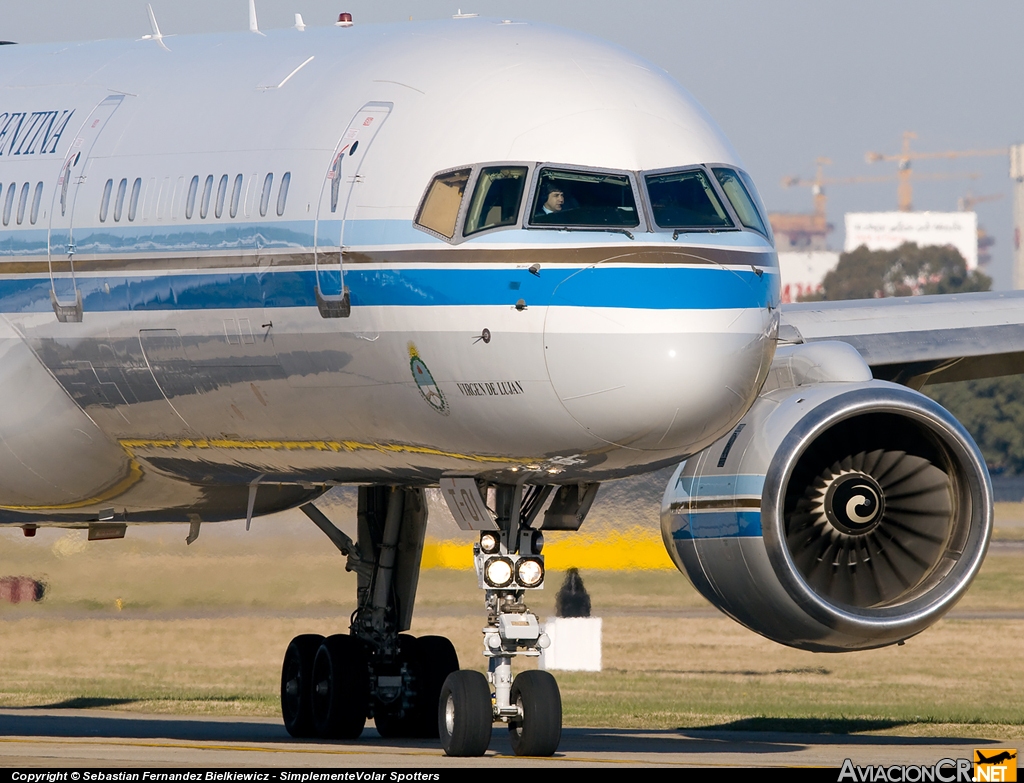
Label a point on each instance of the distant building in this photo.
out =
(1017, 175)
(799, 231)
(889, 230)
(802, 273)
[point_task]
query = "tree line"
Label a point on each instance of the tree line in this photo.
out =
(992, 409)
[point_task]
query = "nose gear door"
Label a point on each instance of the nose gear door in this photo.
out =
(334, 208)
(64, 293)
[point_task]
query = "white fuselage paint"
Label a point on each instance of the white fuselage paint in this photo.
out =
(201, 362)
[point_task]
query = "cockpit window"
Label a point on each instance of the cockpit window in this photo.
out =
(739, 196)
(686, 199)
(499, 191)
(580, 198)
(440, 208)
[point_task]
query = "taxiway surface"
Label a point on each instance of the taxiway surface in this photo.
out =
(108, 739)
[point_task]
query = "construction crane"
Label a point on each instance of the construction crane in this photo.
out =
(905, 189)
(819, 182)
(804, 230)
(966, 203)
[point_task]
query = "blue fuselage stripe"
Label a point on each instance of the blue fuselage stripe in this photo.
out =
(666, 288)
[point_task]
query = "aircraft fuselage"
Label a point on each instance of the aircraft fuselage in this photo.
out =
(180, 230)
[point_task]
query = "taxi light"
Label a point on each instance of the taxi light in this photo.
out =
(537, 542)
(489, 543)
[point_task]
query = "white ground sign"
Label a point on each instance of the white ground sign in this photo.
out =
(889, 230)
(803, 273)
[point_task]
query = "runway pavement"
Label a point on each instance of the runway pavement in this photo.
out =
(101, 738)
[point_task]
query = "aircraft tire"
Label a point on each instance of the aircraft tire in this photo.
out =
(540, 729)
(296, 685)
(435, 660)
(341, 691)
(464, 714)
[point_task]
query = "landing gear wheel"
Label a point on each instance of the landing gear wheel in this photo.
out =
(341, 691)
(539, 730)
(464, 714)
(296, 684)
(435, 660)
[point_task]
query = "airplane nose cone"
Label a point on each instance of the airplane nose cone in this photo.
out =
(655, 378)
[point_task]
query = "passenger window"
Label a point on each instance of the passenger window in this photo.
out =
(133, 204)
(496, 199)
(105, 201)
(190, 202)
(440, 208)
(282, 193)
(579, 198)
(686, 199)
(150, 199)
(268, 184)
(38, 197)
(236, 194)
(122, 188)
(9, 203)
(204, 205)
(22, 203)
(741, 200)
(222, 192)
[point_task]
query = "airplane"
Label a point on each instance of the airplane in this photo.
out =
(499, 258)
(1004, 755)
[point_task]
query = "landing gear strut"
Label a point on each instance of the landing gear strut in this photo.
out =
(330, 686)
(509, 563)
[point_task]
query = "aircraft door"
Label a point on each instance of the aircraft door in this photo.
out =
(64, 293)
(334, 209)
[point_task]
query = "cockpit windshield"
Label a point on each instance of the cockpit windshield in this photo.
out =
(687, 200)
(580, 198)
(499, 189)
(739, 189)
(439, 210)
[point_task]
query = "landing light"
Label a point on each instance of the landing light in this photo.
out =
(498, 572)
(529, 571)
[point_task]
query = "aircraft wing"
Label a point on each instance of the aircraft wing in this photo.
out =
(920, 339)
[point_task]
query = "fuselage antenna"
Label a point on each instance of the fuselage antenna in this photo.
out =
(299, 24)
(156, 35)
(254, 26)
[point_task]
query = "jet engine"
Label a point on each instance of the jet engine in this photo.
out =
(54, 461)
(841, 513)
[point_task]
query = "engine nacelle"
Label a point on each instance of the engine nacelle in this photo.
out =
(842, 513)
(55, 463)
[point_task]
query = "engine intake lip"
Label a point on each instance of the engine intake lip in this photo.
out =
(965, 550)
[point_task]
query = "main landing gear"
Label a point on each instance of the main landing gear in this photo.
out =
(413, 687)
(330, 686)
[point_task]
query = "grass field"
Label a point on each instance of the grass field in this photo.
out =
(148, 624)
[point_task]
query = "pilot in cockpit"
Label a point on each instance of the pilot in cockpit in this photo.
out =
(553, 199)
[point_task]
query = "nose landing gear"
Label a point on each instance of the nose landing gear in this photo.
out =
(508, 563)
